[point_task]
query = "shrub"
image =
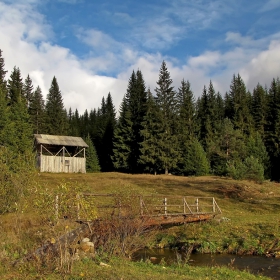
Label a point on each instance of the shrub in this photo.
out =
(250, 169)
(254, 169)
(16, 174)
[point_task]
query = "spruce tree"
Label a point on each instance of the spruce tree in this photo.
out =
(210, 114)
(204, 118)
(75, 123)
(186, 121)
(15, 87)
(227, 145)
(104, 126)
(18, 131)
(259, 109)
(122, 139)
(220, 108)
(195, 162)
(3, 115)
(27, 90)
(92, 162)
(167, 106)
(36, 111)
(3, 72)
(272, 128)
(93, 124)
(239, 113)
(85, 123)
(186, 105)
(256, 148)
(137, 100)
(108, 136)
(152, 130)
(56, 116)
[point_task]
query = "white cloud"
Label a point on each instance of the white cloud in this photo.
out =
(270, 5)
(24, 45)
(96, 38)
(263, 67)
(26, 41)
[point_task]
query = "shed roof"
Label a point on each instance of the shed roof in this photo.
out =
(60, 140)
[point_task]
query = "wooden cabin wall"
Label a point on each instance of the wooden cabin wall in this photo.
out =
(57, 164)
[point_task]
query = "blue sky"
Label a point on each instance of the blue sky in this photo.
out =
(92, 46)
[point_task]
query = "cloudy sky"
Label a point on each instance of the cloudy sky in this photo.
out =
(92, 46)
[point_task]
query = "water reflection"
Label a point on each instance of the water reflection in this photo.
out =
(255, 264)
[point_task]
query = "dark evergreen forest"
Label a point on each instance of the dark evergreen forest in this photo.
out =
(161, 130)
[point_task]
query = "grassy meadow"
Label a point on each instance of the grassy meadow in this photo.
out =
(249, 224)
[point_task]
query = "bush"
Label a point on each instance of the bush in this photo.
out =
(195, 159)
(236, 170)
(249, 169)
(16, 174)
(254, 169)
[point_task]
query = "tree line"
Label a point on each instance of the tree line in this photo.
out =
(166, 130)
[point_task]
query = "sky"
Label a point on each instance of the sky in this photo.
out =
(92, 46)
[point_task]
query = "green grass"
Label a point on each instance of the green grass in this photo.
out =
(249, 224)
(123, 269)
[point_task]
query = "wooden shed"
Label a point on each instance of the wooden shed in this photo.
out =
(60, 153)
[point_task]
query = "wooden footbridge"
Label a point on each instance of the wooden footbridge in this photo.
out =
(154, 209)
(100, 214)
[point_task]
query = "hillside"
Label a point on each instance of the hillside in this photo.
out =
(249, 223)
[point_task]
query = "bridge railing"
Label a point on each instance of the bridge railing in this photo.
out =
(177, 205)
(112, 205)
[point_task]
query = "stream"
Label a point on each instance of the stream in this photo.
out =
(266, 266)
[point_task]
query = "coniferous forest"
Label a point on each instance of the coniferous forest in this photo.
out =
(161, 130)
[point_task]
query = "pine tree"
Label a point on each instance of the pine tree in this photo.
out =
(85, 124)
(137, 100)
(220, 108)
(210, 114)
(256, 148)
(186, 121)
(99, 127)
(272, 128)
(108, 136)
(167, 105)
(15, 87)
(150, 146)
(93, 124)
(3, 115)
(122, 139)
(56, 115)
(92, 163)
(75, 123)
(204, 118)
(3, 72)
(239, 113)
(186, 105)
(36, 111)
(18, 131)
(227, 145)
(259, 109)
(104, 128)
(27, 90)
(195, 162)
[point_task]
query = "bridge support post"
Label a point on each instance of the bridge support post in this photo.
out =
(78, 206)
(141, 206)
(56, 207)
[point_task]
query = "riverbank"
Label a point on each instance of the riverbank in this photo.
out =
(249, 224)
